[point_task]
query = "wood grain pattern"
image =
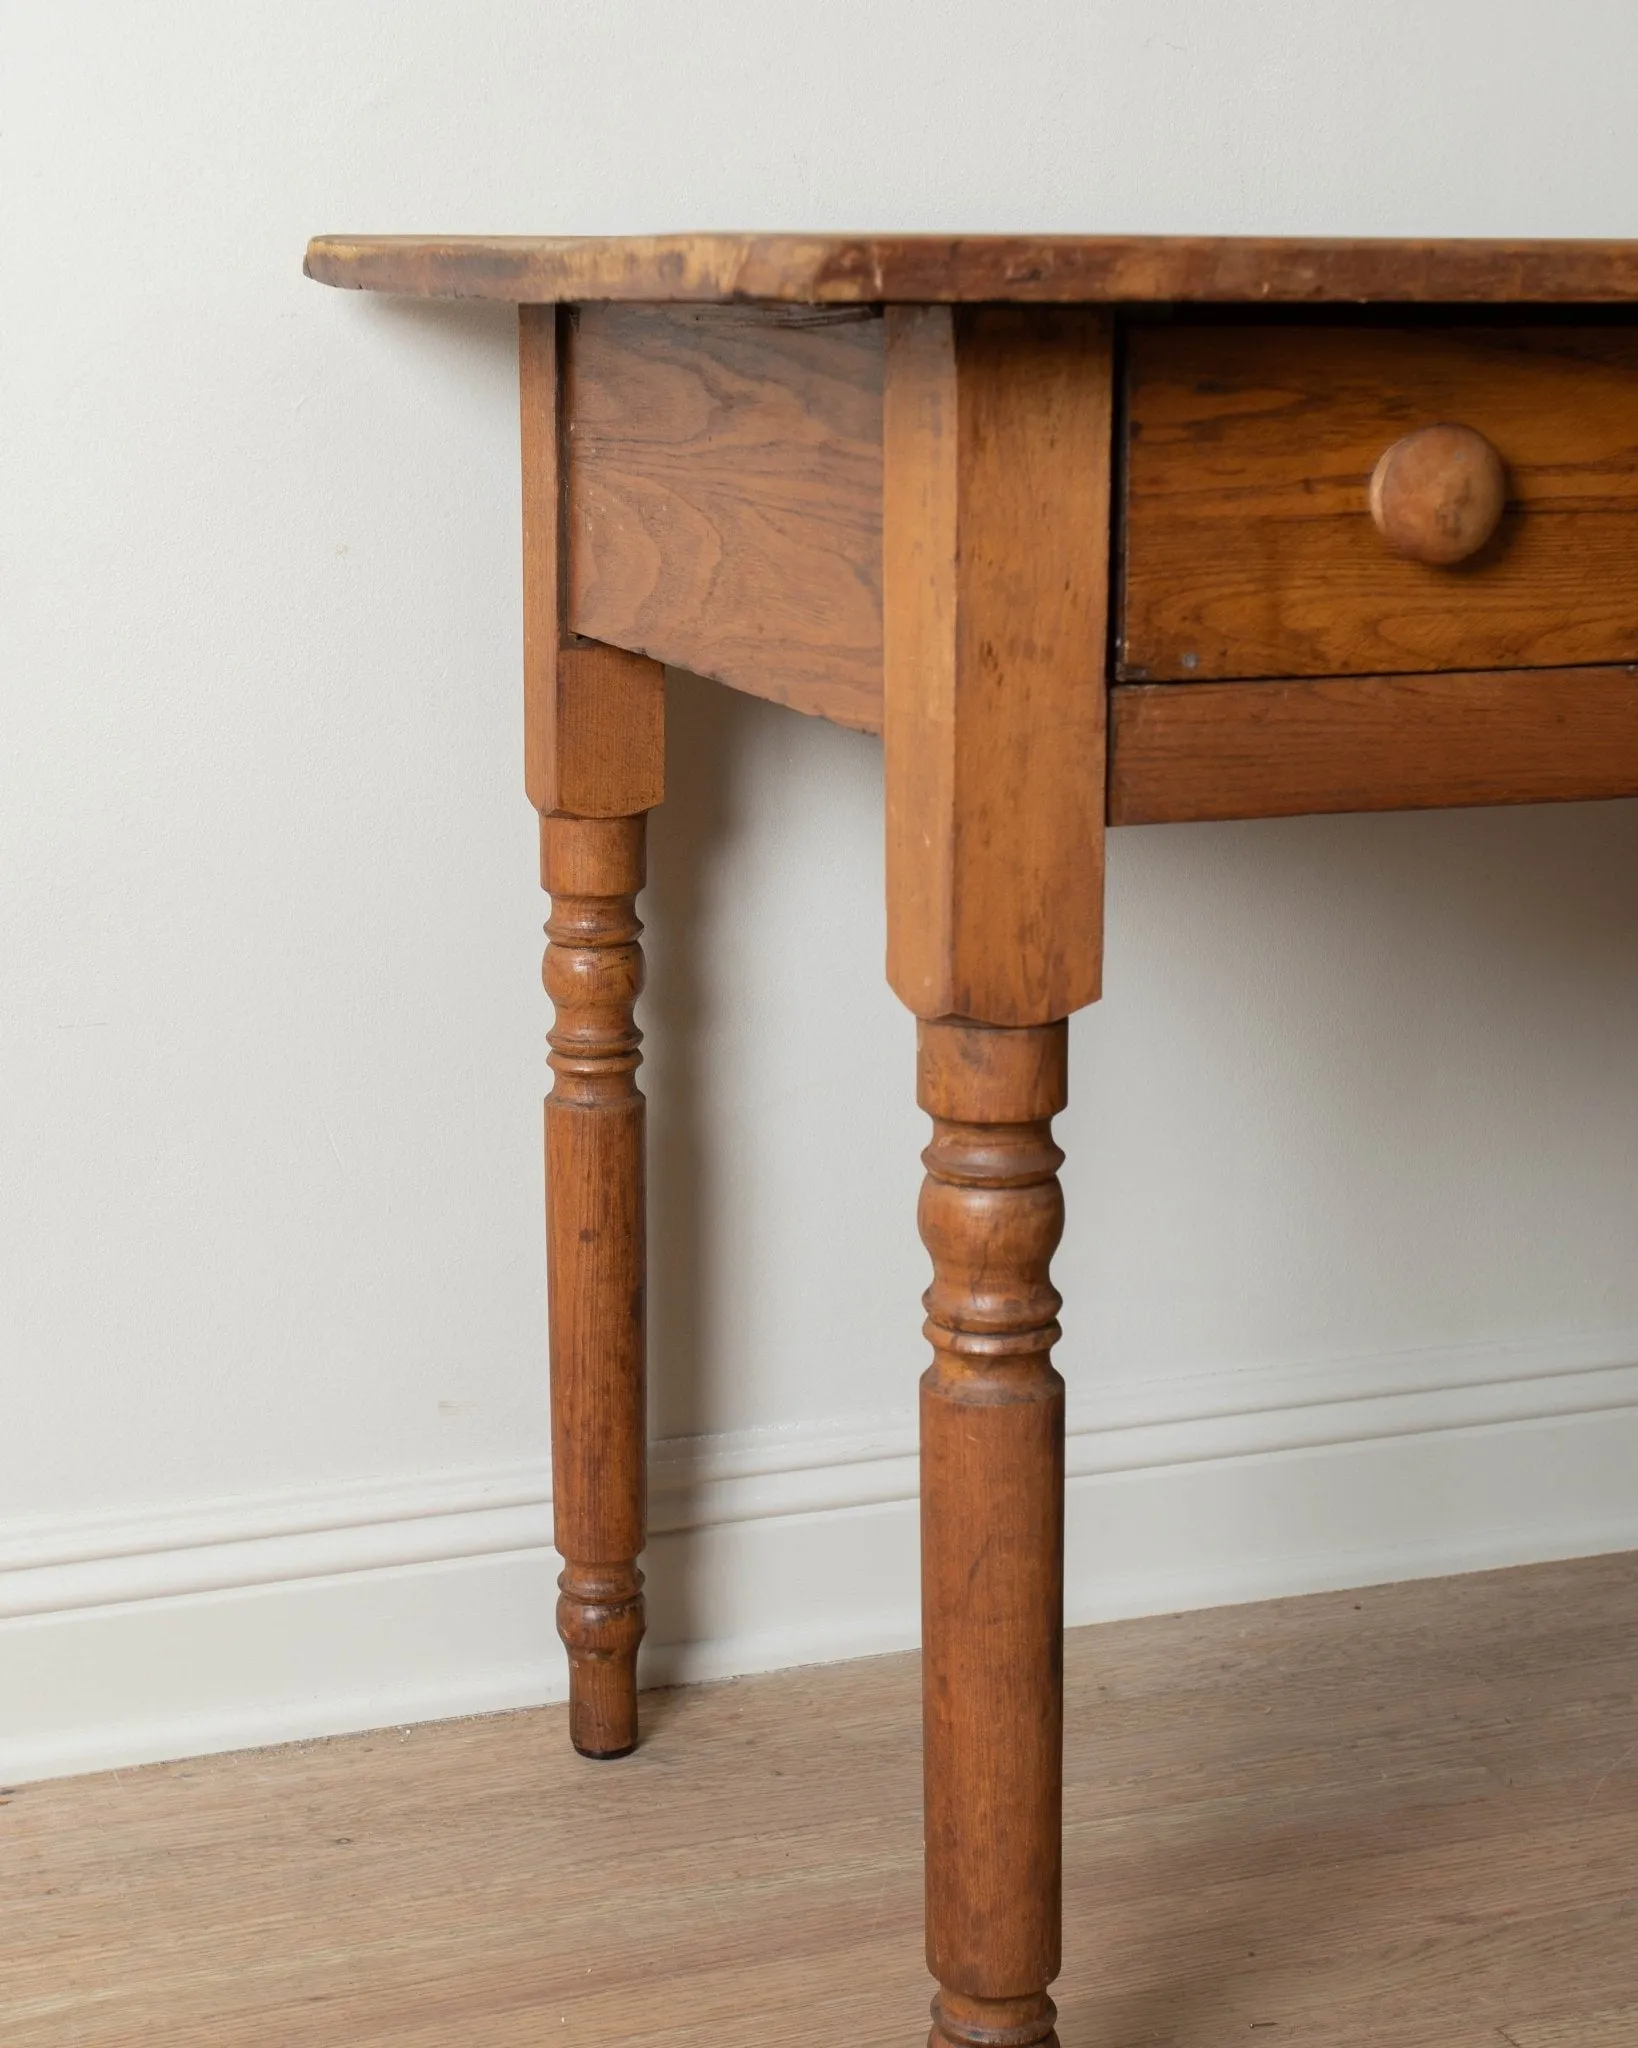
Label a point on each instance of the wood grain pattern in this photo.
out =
(992, 1500)
(593, 717)
(996, 505)
(1058, 269)
(1371, 743)
(1249, 549)
(596, 1266)
(725, 496)
(1595, 2030)
(1404, 1816)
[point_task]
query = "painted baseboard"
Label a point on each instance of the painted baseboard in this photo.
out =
(124, 1640)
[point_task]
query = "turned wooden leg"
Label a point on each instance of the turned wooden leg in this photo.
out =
(593, 868)
(992, 1473)
(594, 765)
(996, 433)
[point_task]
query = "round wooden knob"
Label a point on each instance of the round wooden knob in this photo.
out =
(1437, 494)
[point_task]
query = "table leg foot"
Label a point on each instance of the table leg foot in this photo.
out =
(600, 1618)
(960, 2022)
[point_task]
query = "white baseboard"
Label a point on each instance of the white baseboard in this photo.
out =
(236, 1623)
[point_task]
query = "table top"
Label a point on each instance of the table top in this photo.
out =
(1041, 269)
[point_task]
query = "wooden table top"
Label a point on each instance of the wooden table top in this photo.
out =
(1046, 269)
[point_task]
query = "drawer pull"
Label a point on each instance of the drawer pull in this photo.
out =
(1437, 494)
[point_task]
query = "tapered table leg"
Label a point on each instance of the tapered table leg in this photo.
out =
(593, 868)
(992, 1421)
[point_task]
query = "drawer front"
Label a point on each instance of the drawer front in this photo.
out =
(1249, 546)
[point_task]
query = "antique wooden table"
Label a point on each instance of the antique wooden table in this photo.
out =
(1094, 532)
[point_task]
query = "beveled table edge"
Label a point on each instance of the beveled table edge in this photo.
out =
(1039, 269)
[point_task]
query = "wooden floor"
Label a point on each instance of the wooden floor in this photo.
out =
(1407, 1818)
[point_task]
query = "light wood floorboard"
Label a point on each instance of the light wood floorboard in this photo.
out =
(1406, 1817)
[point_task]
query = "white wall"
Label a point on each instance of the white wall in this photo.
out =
(1353, 1177)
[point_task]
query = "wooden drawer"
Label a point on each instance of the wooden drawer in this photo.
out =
(1248, 544)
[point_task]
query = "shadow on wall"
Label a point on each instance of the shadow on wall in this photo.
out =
(1358, 1085)
(477, 338)
(688, 833)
